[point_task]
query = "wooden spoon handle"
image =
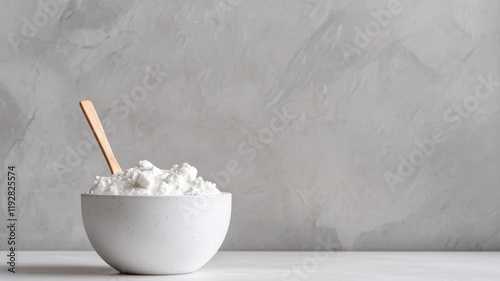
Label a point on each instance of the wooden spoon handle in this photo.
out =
(95, 124)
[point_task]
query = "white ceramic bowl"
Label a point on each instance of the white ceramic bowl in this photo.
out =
(156, 234)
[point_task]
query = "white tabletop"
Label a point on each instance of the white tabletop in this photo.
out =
(317, 266)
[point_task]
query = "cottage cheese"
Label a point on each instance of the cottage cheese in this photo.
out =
(146, 179)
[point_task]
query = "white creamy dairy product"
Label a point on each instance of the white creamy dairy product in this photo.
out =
(146, 179)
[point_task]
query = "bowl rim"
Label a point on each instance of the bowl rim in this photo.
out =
(86, 193)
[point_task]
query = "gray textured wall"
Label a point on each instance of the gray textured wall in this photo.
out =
(360, 85)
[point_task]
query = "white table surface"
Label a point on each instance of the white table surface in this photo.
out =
(400, 266)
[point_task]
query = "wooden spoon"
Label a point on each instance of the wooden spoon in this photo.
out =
(95, 124)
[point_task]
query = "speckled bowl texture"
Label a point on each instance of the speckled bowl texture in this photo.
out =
(156, 234)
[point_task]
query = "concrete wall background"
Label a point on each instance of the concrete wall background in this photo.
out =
(363, 82)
